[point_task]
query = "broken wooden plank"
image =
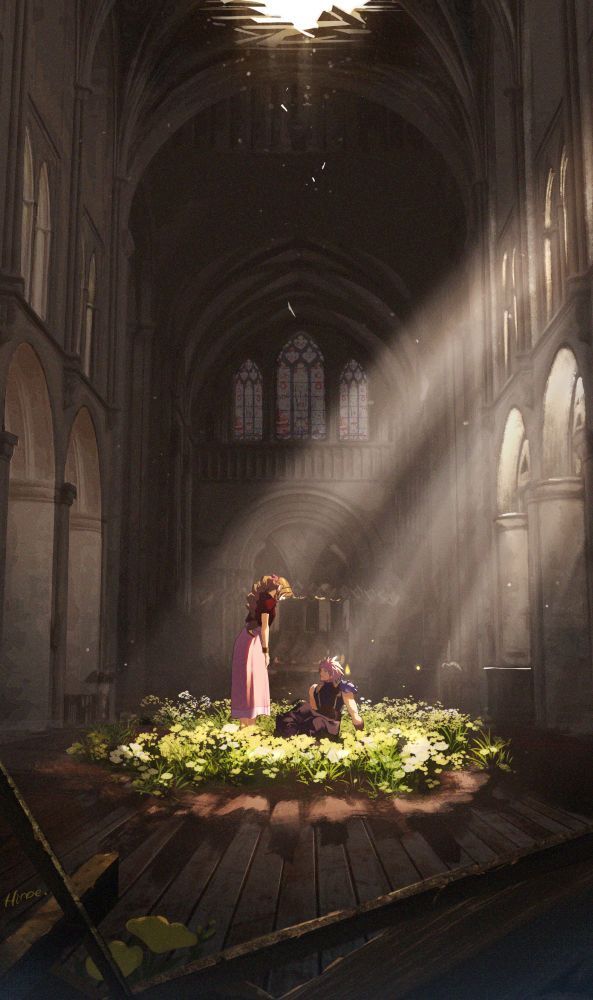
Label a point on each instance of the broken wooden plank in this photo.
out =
(16, 811)
(29, 952)
(73, 858)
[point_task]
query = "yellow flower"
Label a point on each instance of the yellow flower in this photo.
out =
(159, 935)
(128, 958)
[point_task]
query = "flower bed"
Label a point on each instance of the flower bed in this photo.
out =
(187, 742)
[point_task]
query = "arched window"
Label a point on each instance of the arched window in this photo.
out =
(564, 207)
(90, 295)
(248, 409)
(564, 417)
(513, 303)
(513, 465)
(549, 246)
(506, 319)
(354, 412)
(28, 214)
(577, 427)
(40, 276)
(300, 391)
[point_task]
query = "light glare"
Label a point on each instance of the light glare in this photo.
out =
(304, 14)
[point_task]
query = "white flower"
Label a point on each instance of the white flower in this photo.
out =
(336, 754)
(230, 727)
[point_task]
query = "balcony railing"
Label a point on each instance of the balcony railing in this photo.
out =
(318, 461)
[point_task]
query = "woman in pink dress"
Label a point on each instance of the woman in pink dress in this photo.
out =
(250, 689)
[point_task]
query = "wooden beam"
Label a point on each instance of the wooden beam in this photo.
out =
(16, 812)
(46, 916)
(246, 960)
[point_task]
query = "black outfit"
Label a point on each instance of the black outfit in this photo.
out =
(301, 720)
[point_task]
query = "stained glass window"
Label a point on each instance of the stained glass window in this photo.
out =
(354, 402)
(248, 403)
(300, 391)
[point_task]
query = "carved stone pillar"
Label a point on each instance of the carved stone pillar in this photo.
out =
(26, 648)
(8, 443)
(10, 260)
(510, 697)
(560, 620)
(74, 246)
(83, 637)
(513, 590)
(59, 629)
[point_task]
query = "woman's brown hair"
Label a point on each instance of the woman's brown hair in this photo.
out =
(268, 582)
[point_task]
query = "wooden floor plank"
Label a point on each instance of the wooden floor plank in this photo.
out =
(573, 821)
(256, 911)
(335, 888)
(530, 825)
(297, 903)
(501, 825)
(220, 899)
(397, 864)
(179, 900)
(426, 861)
(142, 879)
(551, 823)
(474, 846)
(499, 842)
(369, 877)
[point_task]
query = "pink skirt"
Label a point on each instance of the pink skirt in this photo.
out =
(250, 688)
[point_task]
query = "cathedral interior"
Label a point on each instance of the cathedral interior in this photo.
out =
(305, 292)
(312, 303)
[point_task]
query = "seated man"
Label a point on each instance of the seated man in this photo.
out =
(321, 716)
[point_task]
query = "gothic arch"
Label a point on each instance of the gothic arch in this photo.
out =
(562, 390)
(514, 453)
(285, 509)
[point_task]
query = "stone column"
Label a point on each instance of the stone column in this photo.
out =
(510, 697)
(28, 604)
(84, 606)
(10, 259)
(560, 629)
(513, 590)
(8, 443)
(583, 444)
(134, 679)
(74, 245)
(64, 499)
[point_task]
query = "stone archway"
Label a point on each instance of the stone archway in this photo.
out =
(25, 678)
(85, 688)
(563, 681)
(299, 527)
